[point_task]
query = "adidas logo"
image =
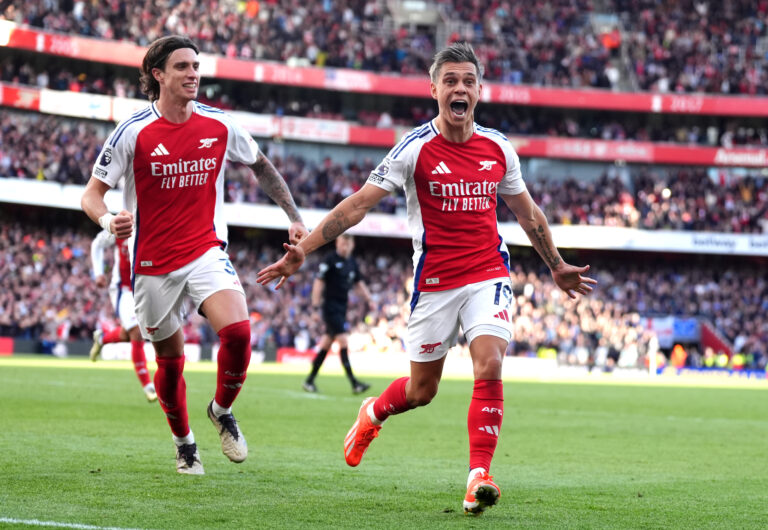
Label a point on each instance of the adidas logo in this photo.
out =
(160, 150)
(441, 169)
(502, 315)
(490, 429)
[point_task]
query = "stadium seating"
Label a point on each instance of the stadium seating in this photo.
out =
(679, 47)
(651, 46)
(62, 150)
(46, 283)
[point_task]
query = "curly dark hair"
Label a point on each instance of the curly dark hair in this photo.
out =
(156, 57)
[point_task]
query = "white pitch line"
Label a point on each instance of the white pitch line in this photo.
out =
(36, 522)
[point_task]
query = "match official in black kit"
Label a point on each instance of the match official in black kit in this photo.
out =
(338, 274)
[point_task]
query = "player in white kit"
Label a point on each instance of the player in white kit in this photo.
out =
(173, 156)
(121, 296)
(452, 171)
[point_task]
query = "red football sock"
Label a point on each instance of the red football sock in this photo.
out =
(484, 421)
(139, 361)
(392, 400)
(234, 357)
(113, 335)
(172, 393)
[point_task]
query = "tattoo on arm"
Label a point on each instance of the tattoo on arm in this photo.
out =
(275, 187)
(335, 227)
(538, 238)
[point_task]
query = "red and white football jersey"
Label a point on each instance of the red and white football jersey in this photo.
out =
(121, 267)
(174, 181)
(450, 191)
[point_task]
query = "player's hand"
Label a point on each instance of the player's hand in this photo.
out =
(284, 267)
(570, 279)
(101, 281)
(122, 224)
(296, 232)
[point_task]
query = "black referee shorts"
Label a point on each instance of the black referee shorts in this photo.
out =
(335, 320)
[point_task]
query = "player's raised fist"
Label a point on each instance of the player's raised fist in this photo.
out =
(122, 224)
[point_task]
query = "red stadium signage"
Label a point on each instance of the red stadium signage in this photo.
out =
(20, 97)
(94, 106)
(97, 50)
(348, 80)
(326, 131)
(637, 152)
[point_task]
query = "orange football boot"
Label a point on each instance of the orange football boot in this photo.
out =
(360, 435)
(482, 493)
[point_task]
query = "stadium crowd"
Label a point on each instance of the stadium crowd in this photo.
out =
(657, 199)
(46, 147)
(46, 292)
(553, 45)
(45, 285)
(720, 131)
(673, 46)
(693, 46)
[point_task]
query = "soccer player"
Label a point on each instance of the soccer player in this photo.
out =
(173, 155)
(337, 275)
(121, 296)
(452, 170)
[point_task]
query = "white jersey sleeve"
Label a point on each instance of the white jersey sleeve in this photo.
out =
(393, 172)
(100, 243)
(241, 146)
(512, 183)
(116, 157)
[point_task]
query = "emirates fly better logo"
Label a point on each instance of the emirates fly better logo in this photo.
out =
(183, 173)
(464, 195)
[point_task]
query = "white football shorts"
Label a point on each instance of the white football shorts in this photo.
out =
(479, 308)
(122, 301)
(159, 299)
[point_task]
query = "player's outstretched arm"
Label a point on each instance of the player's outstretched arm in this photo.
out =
(567, 277)
(275, 187)
(92, 203)
(344, 215)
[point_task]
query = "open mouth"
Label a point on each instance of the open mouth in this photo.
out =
(459, 108)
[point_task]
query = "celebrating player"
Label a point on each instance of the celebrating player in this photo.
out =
(121, 296)
(338, 274)
(452, 170)
(173, 155)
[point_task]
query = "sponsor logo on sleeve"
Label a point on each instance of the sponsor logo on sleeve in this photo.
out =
(106, 157)
(382, 168)
(375, 179)
(378, 174)
(100, 173)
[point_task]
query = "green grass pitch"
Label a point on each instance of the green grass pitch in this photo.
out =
(80, 446)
